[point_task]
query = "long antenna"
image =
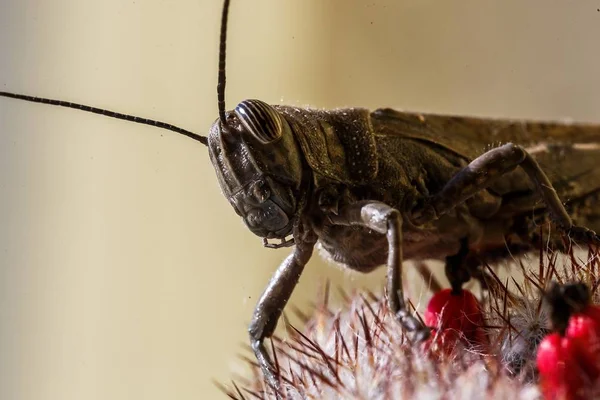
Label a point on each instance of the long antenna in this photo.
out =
(146, 121)
(222, 53)
(108, 113)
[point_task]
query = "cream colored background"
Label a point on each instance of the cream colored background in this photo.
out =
(124, 274)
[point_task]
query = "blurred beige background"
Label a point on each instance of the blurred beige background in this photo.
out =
(124, 274)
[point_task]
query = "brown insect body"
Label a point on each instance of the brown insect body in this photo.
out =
(335, 158)
(374, 188)
(504, 218)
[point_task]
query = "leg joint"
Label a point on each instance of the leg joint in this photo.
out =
(380, 216)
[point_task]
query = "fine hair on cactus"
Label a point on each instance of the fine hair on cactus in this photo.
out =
(351, 347)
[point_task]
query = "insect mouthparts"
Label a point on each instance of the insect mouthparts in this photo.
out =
(285, 242)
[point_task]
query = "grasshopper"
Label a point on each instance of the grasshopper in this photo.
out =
(379, 187)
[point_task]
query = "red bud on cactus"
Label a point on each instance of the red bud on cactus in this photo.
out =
(584, 331)
(561, 374)
(569, 359)
(457, 316)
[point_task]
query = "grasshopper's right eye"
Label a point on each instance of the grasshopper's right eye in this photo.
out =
(260, 119)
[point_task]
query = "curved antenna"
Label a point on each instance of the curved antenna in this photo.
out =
(222, 53)
(108, 113)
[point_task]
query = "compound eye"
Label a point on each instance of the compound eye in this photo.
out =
(260, 119)
(261, 191)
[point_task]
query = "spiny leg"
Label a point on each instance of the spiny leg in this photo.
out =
(488, 167)
(273, 300)
(386, 220)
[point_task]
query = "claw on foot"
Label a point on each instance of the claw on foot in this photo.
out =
(422, 334)
(411, 324)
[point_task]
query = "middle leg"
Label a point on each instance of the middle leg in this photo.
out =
(386, 220)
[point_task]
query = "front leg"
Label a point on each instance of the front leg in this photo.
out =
(273, 300)
(386, 220)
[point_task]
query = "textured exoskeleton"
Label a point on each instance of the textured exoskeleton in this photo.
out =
(374, 188)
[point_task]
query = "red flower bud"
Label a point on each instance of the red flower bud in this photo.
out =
(569, 360)
(584, 333)
(561, 374)
(456, 316)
